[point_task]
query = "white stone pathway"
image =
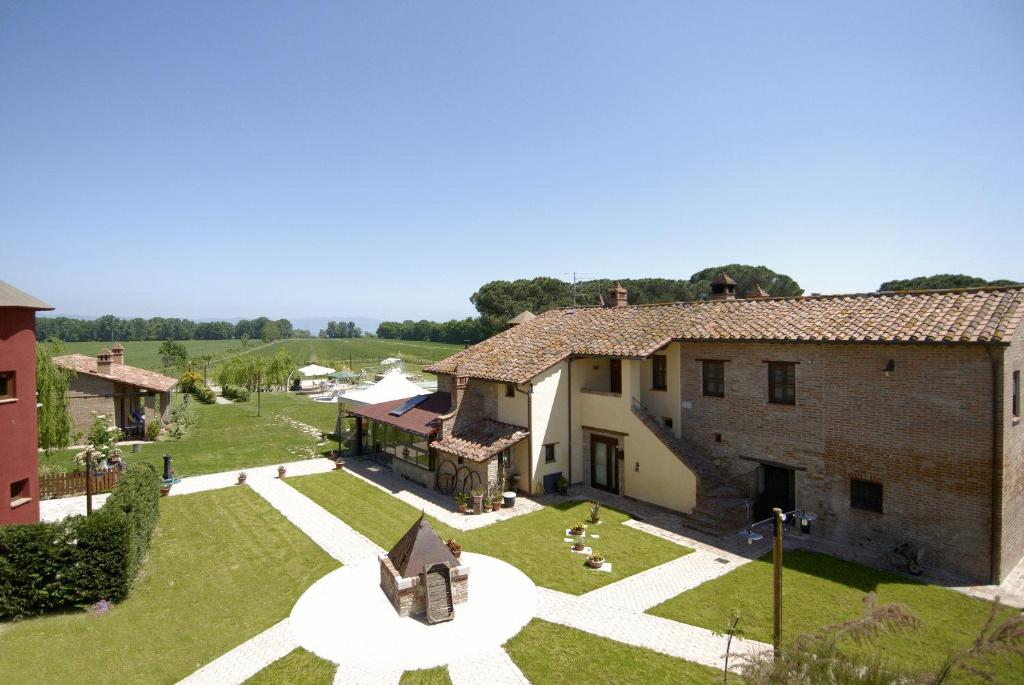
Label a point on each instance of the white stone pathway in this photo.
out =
(649, 588)
(328, 531)
(384, 674)
(495, 666)
(679, 640)
(246, 660)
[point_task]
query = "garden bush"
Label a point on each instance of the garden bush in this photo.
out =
(80, 560)
(189, 381)
(236, 393)
(204, 394)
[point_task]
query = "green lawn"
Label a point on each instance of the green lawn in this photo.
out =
(361, 352)
(144, 353)
(296, 668)
(820, 590)
(427, 676)
(226, 437)
(549, 653)
(224, 566)
(533, 543)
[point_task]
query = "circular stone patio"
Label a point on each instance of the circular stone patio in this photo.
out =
(346, 617)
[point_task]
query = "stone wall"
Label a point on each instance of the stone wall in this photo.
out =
(90, 394)
(1012, 543)
(412, 472)
(922, 431)
(408, 595)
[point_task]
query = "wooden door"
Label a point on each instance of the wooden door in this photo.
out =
(615, 380)
(602, 463)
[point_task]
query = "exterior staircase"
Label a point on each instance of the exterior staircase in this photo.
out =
(724, 505)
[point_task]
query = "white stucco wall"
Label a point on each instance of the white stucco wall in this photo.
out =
(549, 423)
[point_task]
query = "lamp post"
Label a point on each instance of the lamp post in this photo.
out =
(778, 517)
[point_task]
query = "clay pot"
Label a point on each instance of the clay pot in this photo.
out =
(165, 490)
(281, 471)
(241, 480)
(594, 564)
(495, 506)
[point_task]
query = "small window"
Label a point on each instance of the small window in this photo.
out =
(1016, 395)
(510, 390)
(19, 492)
(7, 385)
(782, 382)
(666, 421)
(714, 378)
(865, 495)
(659, 372)
(549, 454)
(506, 459)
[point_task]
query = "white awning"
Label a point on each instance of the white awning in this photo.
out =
(394, 386)
(315, 370)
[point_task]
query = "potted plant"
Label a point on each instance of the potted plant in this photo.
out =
(562, 485)
(463, 501)
(242, 475)
(455, 547)
(578, 544)
(280, 472)
(496, 501)
(578, 529)
(595, 512)
(595, 560)
(165, 489)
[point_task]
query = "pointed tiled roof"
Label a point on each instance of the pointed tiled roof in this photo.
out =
(12, 297)
(481, 440)
(522, 317)
(420, 546)
(962, 316)
(121, 373)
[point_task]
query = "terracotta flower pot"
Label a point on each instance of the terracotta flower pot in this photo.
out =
(241, 480)
(463, 509)
(579, 548)
(281, 471)
(164, 491)
(495, 506)
(595, 564)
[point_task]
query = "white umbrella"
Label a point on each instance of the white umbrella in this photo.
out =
(315, 370)
(390, 361)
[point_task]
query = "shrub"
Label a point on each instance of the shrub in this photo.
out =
(153, 429)
(188, 381)
(236, 393)
(80, 560)
(204, 394)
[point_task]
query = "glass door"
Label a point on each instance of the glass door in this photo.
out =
(602, 462)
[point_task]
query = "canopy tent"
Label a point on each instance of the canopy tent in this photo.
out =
(315, 370)
(390, 361)
(343, 375)
(394, 386)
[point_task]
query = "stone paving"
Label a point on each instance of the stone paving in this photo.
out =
(381, 674)
(430, 500)
(247, 659)
(496, 666)
(326, 530)
(679, 640)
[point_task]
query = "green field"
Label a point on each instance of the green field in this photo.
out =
(363, 352)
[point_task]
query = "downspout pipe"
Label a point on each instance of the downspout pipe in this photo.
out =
(529, 437)
(568, 402)
(995, 542)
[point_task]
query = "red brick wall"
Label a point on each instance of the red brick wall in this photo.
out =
(18, 456)
(924, 432)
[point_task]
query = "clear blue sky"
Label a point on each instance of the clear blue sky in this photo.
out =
(384, 159)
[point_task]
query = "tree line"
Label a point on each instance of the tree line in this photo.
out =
(499, 301)
(116, 329)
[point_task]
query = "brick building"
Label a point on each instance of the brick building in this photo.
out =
(895, 417)
(19, 458)
(104, 384)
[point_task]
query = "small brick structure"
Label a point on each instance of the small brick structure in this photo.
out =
(404, 575)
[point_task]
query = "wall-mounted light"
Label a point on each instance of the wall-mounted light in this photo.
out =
(890, 366)
(636, 467)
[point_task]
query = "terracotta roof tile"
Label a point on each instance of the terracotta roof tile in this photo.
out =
(973, 315)
(120, 373)
(421, 419)
(481, 439)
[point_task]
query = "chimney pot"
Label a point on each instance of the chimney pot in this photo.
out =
(617, 296)
(103, 360)
(117, 354)
(723, 287)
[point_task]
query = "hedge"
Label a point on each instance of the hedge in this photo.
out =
(236, 393)
(80, 560)
(204, 394)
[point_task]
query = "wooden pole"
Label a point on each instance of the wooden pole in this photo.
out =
(777, 584)
(88, 482)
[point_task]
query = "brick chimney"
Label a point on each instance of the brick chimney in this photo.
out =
(117, 354)
(617, 296)
(459, 389)
(723, 287)
(756, 293)
(104, 360)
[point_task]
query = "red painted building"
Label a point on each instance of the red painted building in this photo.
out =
(19, 458)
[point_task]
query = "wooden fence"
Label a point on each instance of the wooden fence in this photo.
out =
(67, 484)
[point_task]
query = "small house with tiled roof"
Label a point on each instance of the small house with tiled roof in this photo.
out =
(104, 384)
(893, 416)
